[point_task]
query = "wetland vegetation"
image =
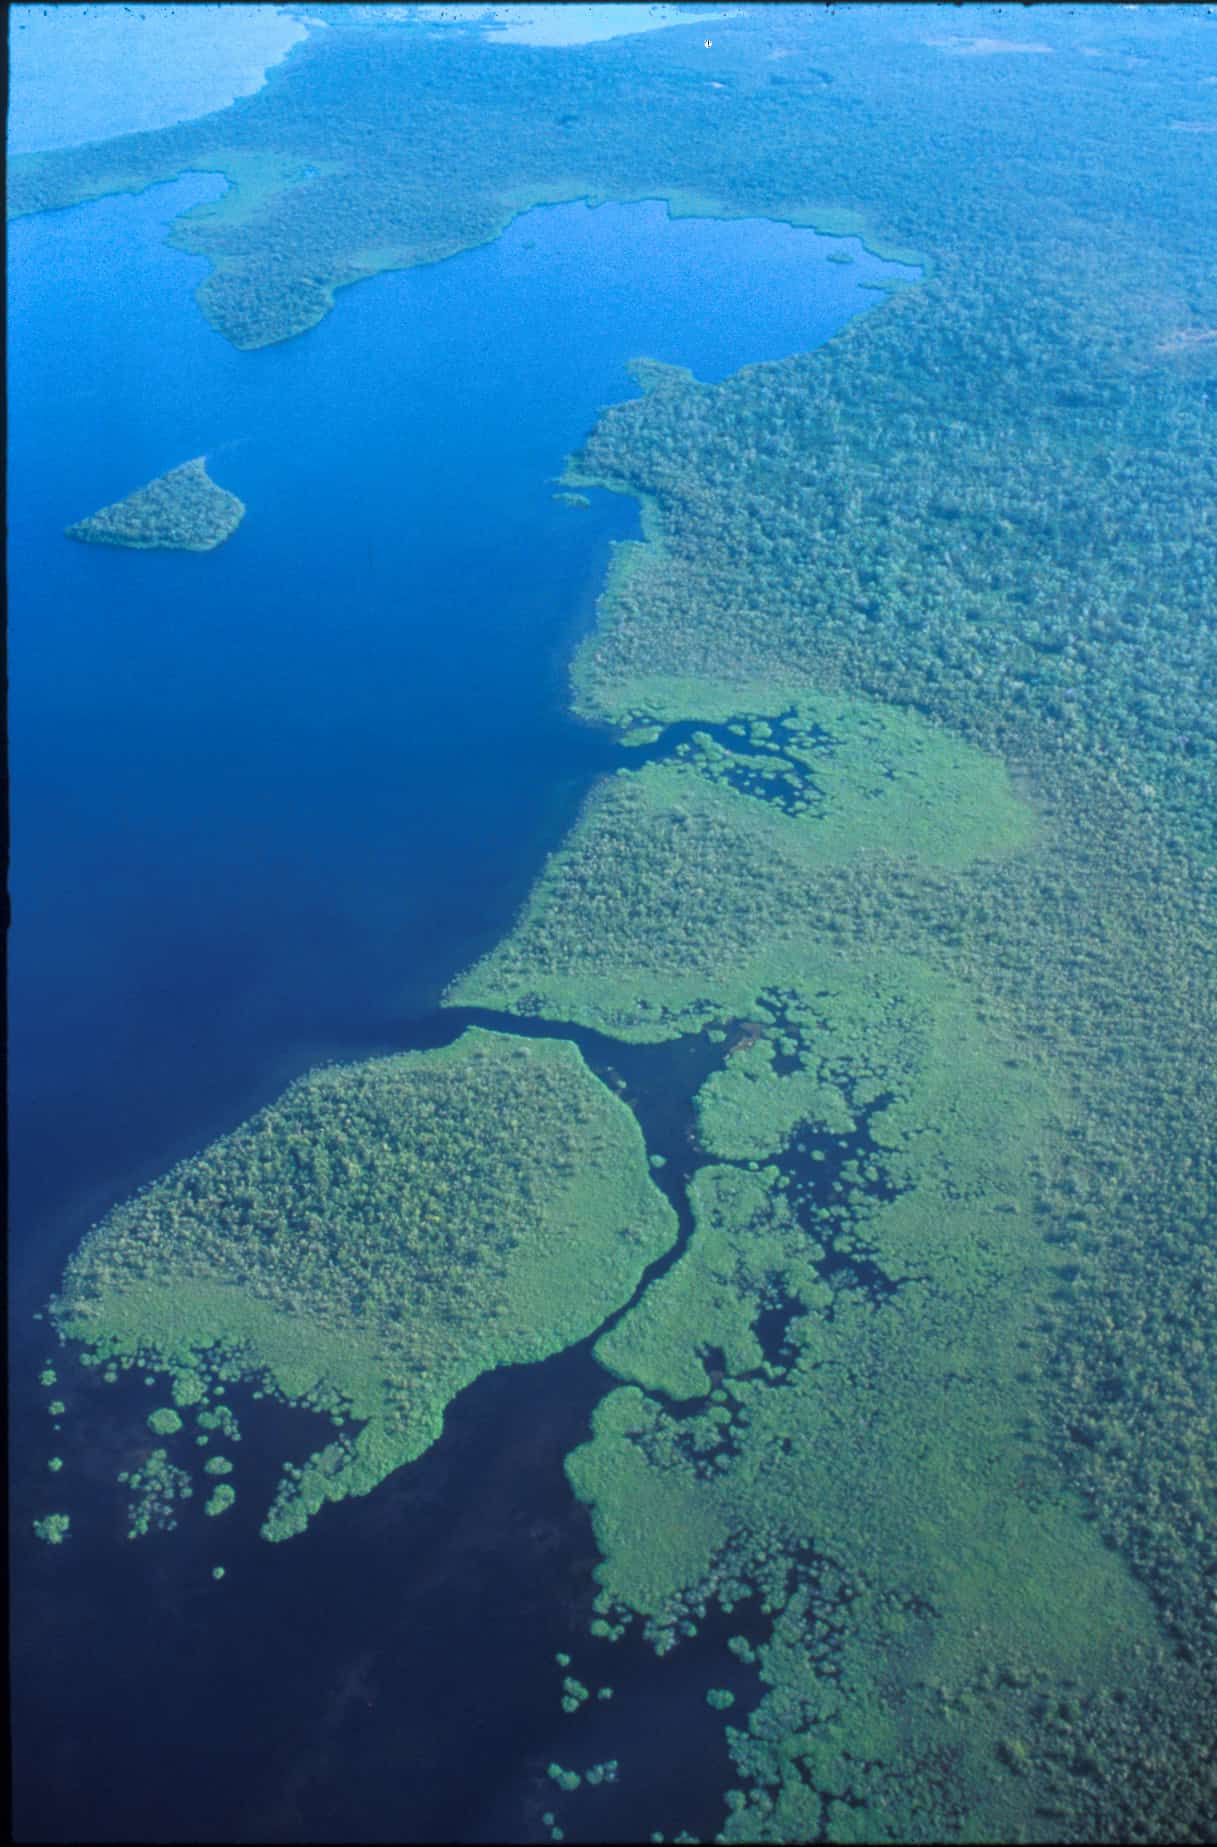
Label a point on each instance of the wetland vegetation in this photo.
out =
(366, 1247)
(916, 668)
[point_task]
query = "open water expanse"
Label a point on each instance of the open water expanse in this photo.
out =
(266, 802)
(86, 73)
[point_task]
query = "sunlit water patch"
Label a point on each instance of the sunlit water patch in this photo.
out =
(86, 73)
(566, 24)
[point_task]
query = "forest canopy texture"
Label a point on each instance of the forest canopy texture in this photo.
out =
(939, 600)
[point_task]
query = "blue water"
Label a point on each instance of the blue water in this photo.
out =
(266, 802)
(87, 73)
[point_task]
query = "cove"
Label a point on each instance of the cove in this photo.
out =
(269, 800)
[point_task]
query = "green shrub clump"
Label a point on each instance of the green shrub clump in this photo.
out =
(183, 510)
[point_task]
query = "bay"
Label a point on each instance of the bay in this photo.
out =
(266, 802)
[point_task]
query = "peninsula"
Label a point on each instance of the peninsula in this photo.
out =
(183, 510)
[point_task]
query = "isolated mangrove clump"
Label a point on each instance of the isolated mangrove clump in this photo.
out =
(181, 511)
(157, 1486)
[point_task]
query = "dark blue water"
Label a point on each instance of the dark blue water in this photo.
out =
(269, 799)
(265, 803)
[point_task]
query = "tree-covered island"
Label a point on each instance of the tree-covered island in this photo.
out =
(182, 511)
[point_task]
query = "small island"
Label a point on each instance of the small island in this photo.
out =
(183, 510)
